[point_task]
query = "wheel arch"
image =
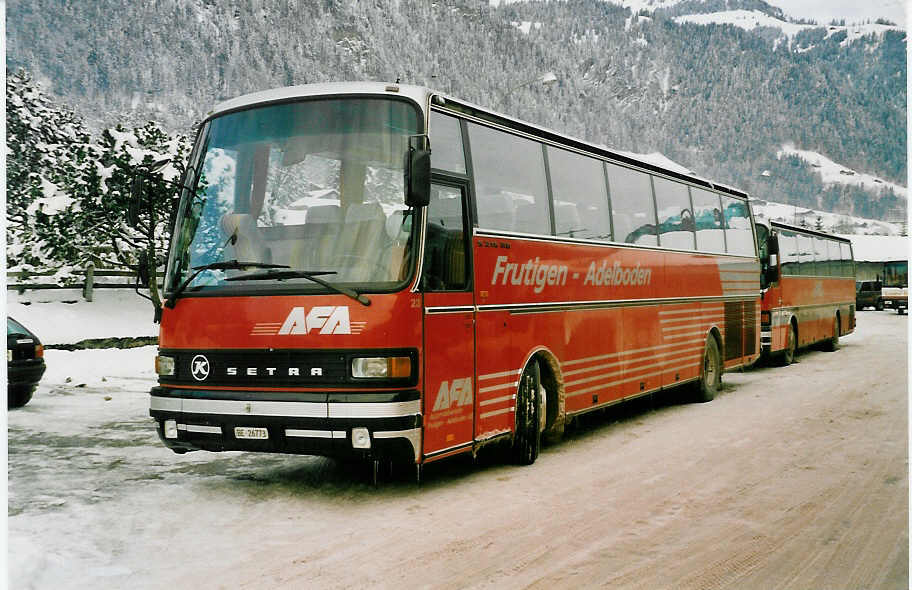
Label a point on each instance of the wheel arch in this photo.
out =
(551, 378)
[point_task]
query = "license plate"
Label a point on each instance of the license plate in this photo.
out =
(250, 432)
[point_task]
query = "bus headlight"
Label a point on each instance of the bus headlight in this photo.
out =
(382, 367)
(164, 365)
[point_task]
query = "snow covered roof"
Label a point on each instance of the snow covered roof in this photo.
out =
(879, 248)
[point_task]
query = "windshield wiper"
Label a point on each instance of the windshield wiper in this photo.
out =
(223, 265)
(312, 275)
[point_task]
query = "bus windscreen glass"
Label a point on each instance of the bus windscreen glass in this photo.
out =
(314, 186)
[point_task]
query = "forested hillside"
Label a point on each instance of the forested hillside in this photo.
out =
(719, 99)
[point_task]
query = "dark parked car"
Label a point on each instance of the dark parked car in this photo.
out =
(24, 362)
(867, 294)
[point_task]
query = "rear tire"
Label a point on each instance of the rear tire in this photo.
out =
(832, 344)
(18, 395)
(710, 372)
(879, 305)
(527, 440)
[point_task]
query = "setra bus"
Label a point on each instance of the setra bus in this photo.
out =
(895, 289)
(336, 288)
(808, 289)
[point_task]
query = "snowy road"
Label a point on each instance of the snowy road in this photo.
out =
(794, 477)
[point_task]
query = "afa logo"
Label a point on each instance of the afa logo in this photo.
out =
(328, 319)
(458, 394)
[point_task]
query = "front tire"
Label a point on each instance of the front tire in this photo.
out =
(879, 305)
(791, 350)
(527, 440)
(710, 373)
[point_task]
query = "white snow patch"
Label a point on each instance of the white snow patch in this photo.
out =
(752, 19)
(526, 26)
(113, 313)
(745, 19)
(834, 173)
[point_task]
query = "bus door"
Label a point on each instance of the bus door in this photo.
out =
(449, 324)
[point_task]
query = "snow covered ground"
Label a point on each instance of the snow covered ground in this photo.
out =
(95, 501)
(60, 316)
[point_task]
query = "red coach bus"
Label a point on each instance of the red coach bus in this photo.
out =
(334, 288)
(808, 289)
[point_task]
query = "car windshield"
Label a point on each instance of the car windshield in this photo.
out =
(314, 186)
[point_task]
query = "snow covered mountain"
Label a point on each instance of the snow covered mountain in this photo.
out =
(718, 85)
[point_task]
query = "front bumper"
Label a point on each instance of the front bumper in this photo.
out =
(297, 423)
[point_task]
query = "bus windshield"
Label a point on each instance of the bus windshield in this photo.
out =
(315, 186)
(896, 274)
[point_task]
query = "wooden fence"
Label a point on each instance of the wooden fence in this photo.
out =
(91, 279)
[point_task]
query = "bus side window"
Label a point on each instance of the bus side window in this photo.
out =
(788, 253)
(822, 256)
(738, 234)
(708, 220)
(632, 207)
(848, 269)
(676, 219)
(580, 195)
(446, 143)
(445, 260)
(806, 255)
(511, 166)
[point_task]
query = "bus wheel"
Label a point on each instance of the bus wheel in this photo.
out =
(527, 439)
(710, 373)
(832, 344)
(787, 356)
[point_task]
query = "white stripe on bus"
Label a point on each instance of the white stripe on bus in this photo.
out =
(628, 361)
(633, 378)
(669, 361)
(496, 400)
(496, 387)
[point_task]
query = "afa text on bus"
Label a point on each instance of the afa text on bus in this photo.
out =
(381, 271)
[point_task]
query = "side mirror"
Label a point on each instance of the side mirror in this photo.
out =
(772, 271)
(418, 177)
(773, 245)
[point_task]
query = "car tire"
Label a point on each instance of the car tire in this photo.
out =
(18, 395)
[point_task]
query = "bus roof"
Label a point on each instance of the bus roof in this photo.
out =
(805, 230)
(416, 93)
(420, 95)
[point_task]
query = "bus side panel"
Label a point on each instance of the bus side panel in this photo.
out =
(684, 327)
(498, 365)
(593, 370)
(815, 301)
